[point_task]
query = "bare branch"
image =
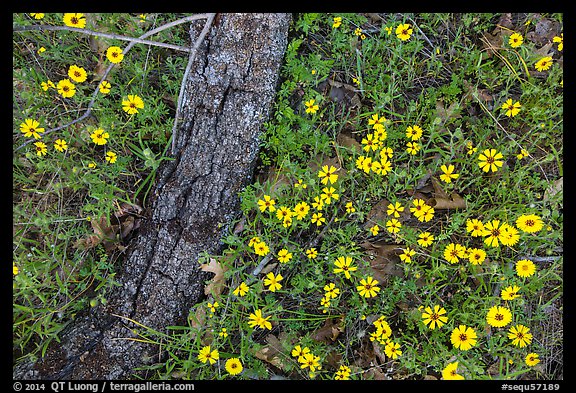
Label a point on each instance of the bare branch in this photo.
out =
(191, 58)
(20, 29)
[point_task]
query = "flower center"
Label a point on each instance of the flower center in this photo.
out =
(499, 317)
(74, 20)
(463, 337)
(530, 223)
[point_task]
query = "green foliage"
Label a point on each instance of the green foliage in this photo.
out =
(446, 78)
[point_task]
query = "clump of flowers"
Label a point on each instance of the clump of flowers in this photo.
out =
(75, 19)
(256, 319)
(463, 337)
(114, 54)
(490, 160)
(131, 104)
(233, 366)
(512, 108)
(515, 40)
(273, 281)
(450, 372)
(99, 136)
(344, 265)
(66, 88)
(307, 359)
(448, 173)
(343, 373)
(543, 64)
(336, 22)
(208, 355)
(77, 74)
(368, 287)
(311, 106)
(525, 268)
(434, 318)
(31, 127)
(499, 316)
(529, 223)
(404, 31)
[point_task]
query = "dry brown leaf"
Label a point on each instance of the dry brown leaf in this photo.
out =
(127, 226)
(384, 260)
(454, 201)
(554, 189)
(504, 25)
(276, 179)
(471, 91)
(269, 353)
(444, 114)
(377, 213)
(198, 318)
(239, 227)
(438, 189)
(378, 352)
(268, 268)
(320, 161)
(328, 332)
(103, 233)
(364, 356)
(491, 43)
(340, 92)
(374, 374)
(545, 50)
(127, 209)
(345, 139)
(333, 359)
(216, 284)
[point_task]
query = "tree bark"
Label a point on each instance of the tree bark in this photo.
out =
(229, 93)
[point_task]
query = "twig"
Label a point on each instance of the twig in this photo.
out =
(19, 29)
(262, 264)
(551, 258)
(421, 32)
(107, 71)
(192, 56)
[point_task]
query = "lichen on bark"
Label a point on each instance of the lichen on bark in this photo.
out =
(229, 94)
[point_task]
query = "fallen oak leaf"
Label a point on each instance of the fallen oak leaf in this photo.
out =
(377, 213)
(269, 353)
(103, 233)
(378, 352)
(345, 139)
(454, 201)
(216, 284)
(384, 260)
(328, 332)
(438, 190)
(554, 189)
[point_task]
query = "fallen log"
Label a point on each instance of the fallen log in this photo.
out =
(229, 92)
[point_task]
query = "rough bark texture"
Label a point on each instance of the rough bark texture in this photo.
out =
(229, 94)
